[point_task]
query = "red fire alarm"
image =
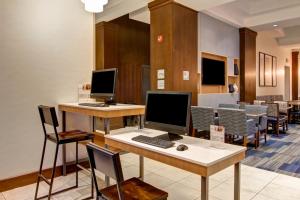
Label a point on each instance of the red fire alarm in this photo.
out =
(160, 38)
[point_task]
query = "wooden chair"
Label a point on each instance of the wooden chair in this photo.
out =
(48, 117)
(275, 119)
(109, 163)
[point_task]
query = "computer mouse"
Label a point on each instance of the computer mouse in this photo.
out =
(181, 147)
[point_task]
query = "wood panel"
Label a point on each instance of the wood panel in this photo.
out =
(214, 88)
(178, 50)
(295, 73)
(27, 179)
(247, 65)
(126, 47)
(106, 45)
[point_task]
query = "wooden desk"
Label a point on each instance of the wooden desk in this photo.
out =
(203, 157)
(119, 110)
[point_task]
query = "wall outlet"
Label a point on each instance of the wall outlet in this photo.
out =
(186, 75)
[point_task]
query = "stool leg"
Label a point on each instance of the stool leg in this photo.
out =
(92, 181)
(40, 170)
(53, 171)
(76, 167)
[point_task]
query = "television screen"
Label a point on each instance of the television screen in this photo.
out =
(213, 72)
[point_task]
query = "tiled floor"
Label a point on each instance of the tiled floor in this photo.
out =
(257, 184)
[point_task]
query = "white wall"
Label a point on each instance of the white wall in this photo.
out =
(46, 51)
(267, 44)
(220, 38)
(217, 37)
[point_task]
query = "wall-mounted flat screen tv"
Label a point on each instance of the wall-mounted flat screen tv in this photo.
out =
(213, 72)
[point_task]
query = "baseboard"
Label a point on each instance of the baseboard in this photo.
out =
(27, 179)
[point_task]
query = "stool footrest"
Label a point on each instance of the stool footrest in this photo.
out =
(44, 179)
(57, 192)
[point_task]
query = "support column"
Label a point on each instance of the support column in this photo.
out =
(174, 46)
(247, 65)
(295, 73)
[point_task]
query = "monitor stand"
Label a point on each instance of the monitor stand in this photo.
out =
(110, 101)
(170, 137)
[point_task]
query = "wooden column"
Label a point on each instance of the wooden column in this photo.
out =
(106, 45)
(174, 45)
(295, 73)
(124, 43)
(247, 65)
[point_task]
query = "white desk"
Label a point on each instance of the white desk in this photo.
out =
(203, 157)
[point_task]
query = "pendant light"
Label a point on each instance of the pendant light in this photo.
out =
(94, 6)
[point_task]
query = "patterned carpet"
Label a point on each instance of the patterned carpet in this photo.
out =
(280, 154)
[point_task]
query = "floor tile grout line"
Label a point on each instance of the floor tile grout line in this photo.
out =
(265, 186)
(3, 195)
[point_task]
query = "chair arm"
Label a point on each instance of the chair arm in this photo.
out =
(251, 127)
(263, 122)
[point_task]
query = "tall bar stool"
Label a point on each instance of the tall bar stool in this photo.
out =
(48, 116)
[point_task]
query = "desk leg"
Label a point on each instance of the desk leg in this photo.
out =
(204, 187)
(141, 126)
(64, 148)
(106, 131)
(142, 168)
(237, 180)
(141, 121)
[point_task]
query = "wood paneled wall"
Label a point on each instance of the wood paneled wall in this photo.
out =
(177, 52)
(295, 74)
(247, 65)
(125, 44)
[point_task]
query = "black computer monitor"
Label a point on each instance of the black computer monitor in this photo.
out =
(168, 111)
(104, 83)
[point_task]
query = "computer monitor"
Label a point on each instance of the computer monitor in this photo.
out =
(103, 84)
(168, 111)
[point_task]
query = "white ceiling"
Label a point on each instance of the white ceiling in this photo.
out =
(259, 15)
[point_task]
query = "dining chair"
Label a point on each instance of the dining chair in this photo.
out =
(275, 119)
(202, 118)
(108, 162)
(236, 123)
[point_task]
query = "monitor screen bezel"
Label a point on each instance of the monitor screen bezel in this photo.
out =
(99, 95)
(181, 130)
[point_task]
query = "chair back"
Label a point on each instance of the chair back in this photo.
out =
(48, 116)
(228, 105)
(202, 118)
(107, 162)
(243, 104)
(259, 102)
(255, 110)
(234, 121)
(283, 106)
(273, 110)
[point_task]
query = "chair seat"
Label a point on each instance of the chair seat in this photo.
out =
(280, 119)
(135, 189)
(71, 136)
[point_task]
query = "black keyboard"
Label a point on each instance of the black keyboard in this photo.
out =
(93, 104)
(153, 141)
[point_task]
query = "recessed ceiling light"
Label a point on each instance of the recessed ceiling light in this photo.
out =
(275, 25)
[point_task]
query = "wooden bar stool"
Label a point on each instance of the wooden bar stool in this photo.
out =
(48, 116)
(109, 163)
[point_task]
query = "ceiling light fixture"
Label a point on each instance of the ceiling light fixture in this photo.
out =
(275, 25)
(94, 6)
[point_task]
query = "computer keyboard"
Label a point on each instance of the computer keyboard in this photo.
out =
(93, 104)
(153, 141)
